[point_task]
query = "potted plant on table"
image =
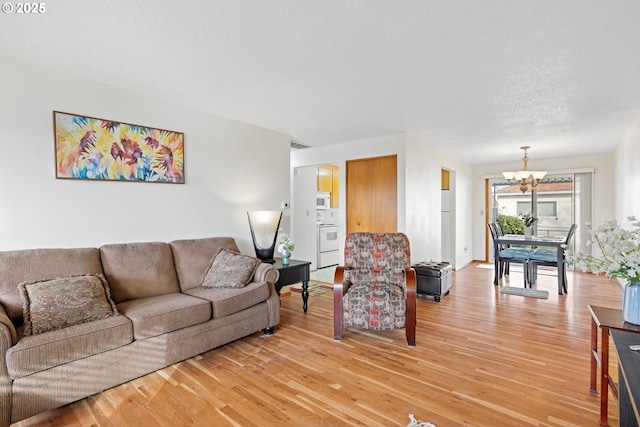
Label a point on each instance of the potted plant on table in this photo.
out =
(285, 247)
(529, 220)
(620, 249)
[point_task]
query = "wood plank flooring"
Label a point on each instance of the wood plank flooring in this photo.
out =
(483, 359)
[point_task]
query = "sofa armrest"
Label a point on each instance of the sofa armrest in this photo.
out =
(7, 327)
(266, 273)
(7, 339)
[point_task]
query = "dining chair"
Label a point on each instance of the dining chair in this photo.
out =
(376, 287)
(500, 233)
(549, 257)
(503, 256)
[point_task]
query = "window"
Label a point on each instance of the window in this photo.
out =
(545, 209)
(563, 199)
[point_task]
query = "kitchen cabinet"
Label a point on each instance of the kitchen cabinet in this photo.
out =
(325, 179)
(446, 179)
(328, 182)
(335, 188)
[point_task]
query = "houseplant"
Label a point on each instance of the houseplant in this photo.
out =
(285, 247)
(620, 249)
(528, 220)
(510, 224)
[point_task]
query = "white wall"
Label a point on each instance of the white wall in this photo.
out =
(424, 198)
(419, 187)
(627, 176)
(304, 225)
(603, 184)
(230, 167)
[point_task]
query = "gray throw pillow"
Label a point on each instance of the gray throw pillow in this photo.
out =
(228, 269)
(58, 303)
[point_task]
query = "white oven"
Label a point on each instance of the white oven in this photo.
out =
(328, 245)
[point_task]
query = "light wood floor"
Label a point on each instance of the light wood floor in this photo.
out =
(483, 359)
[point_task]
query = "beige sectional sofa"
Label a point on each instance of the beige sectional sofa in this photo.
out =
(162, 316)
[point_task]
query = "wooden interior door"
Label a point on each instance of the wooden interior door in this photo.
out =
(372, 194)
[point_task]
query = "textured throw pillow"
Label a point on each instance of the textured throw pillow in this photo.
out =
(228, 269)
(53, 304)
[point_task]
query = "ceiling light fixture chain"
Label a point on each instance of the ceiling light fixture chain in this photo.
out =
(525, 178)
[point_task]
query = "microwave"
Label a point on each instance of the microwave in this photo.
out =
(323, 200)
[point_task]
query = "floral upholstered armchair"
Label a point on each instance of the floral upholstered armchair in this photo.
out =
(376, 287)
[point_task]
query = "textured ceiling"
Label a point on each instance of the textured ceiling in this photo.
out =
(477, 78)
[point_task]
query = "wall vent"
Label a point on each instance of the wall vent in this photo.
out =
(297, 146)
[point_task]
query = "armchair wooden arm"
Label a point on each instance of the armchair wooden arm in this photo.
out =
(339, 289)
(411, 301)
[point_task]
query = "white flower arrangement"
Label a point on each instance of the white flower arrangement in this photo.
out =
(620, 252)
(286, 244)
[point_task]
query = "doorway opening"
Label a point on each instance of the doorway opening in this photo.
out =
(448, 223)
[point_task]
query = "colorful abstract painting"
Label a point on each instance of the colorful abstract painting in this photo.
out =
(90, 148)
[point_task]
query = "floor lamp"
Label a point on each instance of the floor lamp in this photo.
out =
(264, 231)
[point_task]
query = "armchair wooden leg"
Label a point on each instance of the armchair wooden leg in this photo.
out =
(338, 327)
(338, 315)
(411, 335)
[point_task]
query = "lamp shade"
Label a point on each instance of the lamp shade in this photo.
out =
(537, 175)
(264, 231)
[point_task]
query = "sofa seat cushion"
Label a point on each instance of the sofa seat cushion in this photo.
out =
(44, 351)
(164, 313)
(226, 301)
(380, 306)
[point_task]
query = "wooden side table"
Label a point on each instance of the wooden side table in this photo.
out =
(294, 272)
(606, 319)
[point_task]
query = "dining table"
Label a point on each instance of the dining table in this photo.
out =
(557, 242)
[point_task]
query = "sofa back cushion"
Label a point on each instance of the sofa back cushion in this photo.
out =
(40, 264)
(192, 258)
(138, 270)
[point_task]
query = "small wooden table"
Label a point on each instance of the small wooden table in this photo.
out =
(606, 319)
(294, 272)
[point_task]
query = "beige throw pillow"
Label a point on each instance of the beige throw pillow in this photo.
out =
(228, 269)
(53, 304)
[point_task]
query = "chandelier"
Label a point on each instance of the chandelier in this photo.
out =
(525, 178)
